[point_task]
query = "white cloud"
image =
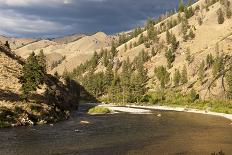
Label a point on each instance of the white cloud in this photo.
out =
(25, 24)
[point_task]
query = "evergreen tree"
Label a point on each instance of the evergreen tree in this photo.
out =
(209, 60)
(115, 90)
(153, 52)
(184, 29)
(184, 75)
(181, 6)
(170, 56)
(32, 76)
(42, 60)
(168, 37)
(228, 12)
(191, 34)
(105, 58)
(177, 77)
(174, 42)
(113, 49)
(109, 75)
(162, 75)
(138, 83)
(221, 18)
(125, 47)
(201, 72)
(125, 80)
(188, 56)
(218, 62)
(229, 84)
(7, 44)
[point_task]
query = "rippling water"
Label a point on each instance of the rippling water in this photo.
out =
(174, 133)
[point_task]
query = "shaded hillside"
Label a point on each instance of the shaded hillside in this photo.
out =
(39, 109)
(68, 39)
(16, 42)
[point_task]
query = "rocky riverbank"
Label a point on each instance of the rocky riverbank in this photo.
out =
(137, 109)
(29, 114)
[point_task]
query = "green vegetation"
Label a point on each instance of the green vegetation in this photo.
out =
(189, 58)
(177, 78)
(184, 75)
(33, 73)
(201, 71)
(99, 110)
(190, 100)
(221, 18)
(170, 56)
(162, 75)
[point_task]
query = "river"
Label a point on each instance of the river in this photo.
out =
(174, 133)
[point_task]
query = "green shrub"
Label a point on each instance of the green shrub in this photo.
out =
(99, 110)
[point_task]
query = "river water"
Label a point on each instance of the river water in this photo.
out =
(175, 133)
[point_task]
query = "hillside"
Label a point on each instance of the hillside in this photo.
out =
(14, 111)
(207, 36)
(187, 52)
(67, 52)
(68, 39)
(16, 42)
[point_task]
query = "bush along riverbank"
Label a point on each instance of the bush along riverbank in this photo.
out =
(175, 99)
(191, 100)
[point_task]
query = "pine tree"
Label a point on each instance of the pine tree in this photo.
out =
(113, 49)
(32, 76)
(188, 56)
(209, 60)
(201, 72)
(218, 61)
(125, 80)
(191, 34)
(115, 90)
(174, 42)
(105, 58)
(170, 56)
(184, 29)
(42, 60)
(162, 75)
(228, 12)
(168, 37)
(229, 84)
(109, 75)
(221, 18)
(181, 6)
(7, 44)
(138, 83)
(184, 75)
(125, 47)
(177, 77)
(153, 52)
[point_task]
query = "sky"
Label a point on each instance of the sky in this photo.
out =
(52, 18)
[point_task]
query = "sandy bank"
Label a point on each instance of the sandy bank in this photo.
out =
(135, 109)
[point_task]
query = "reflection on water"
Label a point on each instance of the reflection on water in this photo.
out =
(173, 133)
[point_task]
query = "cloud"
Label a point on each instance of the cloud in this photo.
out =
(32, 2)
(41, 18)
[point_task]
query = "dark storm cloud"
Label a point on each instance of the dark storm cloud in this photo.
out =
(59, 17)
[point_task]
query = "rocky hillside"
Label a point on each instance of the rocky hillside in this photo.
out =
(38, 110)
(198, 35)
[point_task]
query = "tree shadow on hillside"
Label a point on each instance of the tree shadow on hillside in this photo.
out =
(7, 95)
